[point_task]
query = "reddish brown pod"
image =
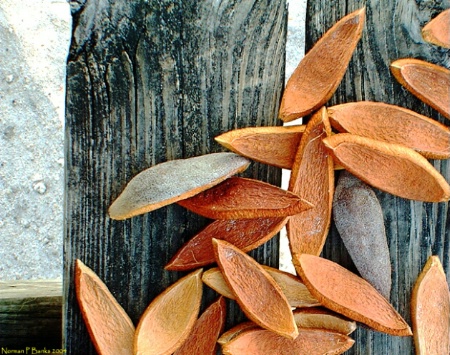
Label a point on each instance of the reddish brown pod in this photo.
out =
(269, 145)
(257, 293)
(312, 179)
(429, 82)
(170, 318)
(340, 290)
(237, 198)
(110, 328)
(390, 167)
(393, 124)
(437, 31)
(308, 342)
(206, 331)
(430, 310)
(246, 234)
(321, 70)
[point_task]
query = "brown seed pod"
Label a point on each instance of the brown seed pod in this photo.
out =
(110, 328)
(429, 82)
(246, 234)
(321, 70)
(348, 294)
(308, 342)
(321, 318)
(237, 198)
(169, 319)
(359, 220)
(269, 145)
(389, 167)
(206, 331)
(258, 295)
(393, 124)
(437, 31)
(430, 310)
(174, 180)
(312, 179)
(295, 291)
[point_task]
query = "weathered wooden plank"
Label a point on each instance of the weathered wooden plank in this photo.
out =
(147, 82)
(30, 314)
(415, 230)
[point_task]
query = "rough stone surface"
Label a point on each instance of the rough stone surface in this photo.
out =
(34, 38)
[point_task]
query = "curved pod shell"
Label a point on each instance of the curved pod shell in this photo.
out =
(168, 320)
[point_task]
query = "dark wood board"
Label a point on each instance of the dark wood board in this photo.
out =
(150, 81)
(415, 230)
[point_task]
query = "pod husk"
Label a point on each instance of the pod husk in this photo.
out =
(430, 310)
(110, 328)
(429, 82)
(390, 167)
(321, 70)
(340, 290)
(170, 317)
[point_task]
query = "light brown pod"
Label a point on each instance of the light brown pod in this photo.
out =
(321, 70)
(308, 342)
(269, 145)
(312, 179)
(359, 220)
(110, 328)
(246, 234)
(169, 319)
(258, 295)
(393, 124)
(174, 180)
(429, 82)
(389, 167)
(437, 31)
(237, 198)
(321, 318)
(430, 310)
(295, 291)
(206, 331)
(348, 294)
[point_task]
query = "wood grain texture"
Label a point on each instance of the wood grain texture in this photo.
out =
(30, 313)
(414, 230)
(147, 82)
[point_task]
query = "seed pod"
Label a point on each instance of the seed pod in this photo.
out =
(393, 124)
(206, 331)
(437, 31)
(348, 294)
(312, 179)
(237, 198)
(389, 167)
(169, 319)
(258, 295)
(321, 70)
(308, 342)
(321, 318)
(359, 220)
(430, 310)
(174, 180)
(110, 328)
(295, 291)
(429, 82)
(246, 234)
(269, 145)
